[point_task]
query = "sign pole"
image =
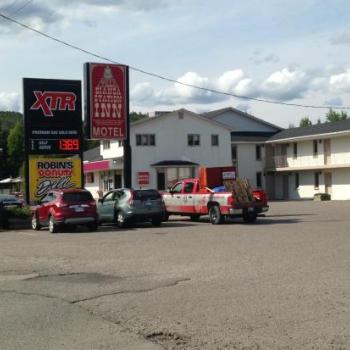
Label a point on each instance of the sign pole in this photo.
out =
(127, 171)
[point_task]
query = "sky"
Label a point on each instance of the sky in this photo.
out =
(289, 51)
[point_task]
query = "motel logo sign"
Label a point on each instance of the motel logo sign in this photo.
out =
(106, 101)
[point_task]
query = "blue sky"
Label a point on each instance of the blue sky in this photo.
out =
(292, 51)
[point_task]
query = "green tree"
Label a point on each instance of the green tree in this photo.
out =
(334, 116)
(305, 122)
(136, 116)
(15, 147)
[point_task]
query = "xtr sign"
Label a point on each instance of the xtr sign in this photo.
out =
(49, 101)
(52, 116)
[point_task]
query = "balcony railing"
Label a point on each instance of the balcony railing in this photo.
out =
(278, 162)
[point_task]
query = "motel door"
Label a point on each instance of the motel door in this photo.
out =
(285, 186)
(328, 182)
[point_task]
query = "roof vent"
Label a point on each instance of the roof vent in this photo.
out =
(181, 114)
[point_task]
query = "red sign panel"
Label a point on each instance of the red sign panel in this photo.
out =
(107, 102)
(143, 177)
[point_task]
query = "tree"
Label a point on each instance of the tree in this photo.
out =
(334, 116)
(305, 122)
(136, 116)
(15, 147)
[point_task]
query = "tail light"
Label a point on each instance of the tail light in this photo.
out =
(230, 200)
(131, 199)
(92, 204)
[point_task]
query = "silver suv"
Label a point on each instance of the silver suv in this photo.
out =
(125, 206)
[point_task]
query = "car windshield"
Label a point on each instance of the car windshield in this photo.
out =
(77, 196)
(146, 194)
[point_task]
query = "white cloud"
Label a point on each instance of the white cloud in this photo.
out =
(9, 101)
(340, 82)
(286, 84)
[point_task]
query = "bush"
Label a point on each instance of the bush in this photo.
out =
(20, 213)
(322, 197)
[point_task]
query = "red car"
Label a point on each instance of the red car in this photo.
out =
(65, 207)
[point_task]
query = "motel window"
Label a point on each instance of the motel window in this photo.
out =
(234, 154)
(258, 179)
(120, 143)
(315, 148)
(295, 150)
(215, 140)
(258, 152)
(145, 140)
(193, 140)
(317, 181)
(106, 144)
(296, 180)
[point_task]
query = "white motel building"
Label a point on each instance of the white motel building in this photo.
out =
(293, 163)
(173, 145)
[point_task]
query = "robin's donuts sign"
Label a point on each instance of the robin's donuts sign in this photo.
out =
(47, 174)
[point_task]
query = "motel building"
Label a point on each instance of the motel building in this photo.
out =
(173, 145)
(302, 162)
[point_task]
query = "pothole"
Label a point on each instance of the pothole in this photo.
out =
(79, 278)
(168, 338)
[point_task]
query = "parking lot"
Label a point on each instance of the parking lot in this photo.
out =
(282, 283)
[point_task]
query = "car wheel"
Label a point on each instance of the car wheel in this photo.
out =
(215, 216)
(195, 217)
(121, 220)
(249, 217)
(35, 223)
(52, 225)
(92, 226)
(156, 222)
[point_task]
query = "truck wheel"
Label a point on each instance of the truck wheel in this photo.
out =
(35, 223)
(52, 225)
(249, 217)
(195, 217)
(215, 216)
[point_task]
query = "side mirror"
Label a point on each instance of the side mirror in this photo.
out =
(100, 200)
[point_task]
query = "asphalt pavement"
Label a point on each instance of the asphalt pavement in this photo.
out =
(282, 283)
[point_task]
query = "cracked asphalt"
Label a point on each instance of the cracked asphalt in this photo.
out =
(283, 283)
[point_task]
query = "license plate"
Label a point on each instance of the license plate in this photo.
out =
(79, 209)
(250, 209)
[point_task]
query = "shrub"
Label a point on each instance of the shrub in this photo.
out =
(20, 213)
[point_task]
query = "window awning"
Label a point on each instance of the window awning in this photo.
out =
(175, 163)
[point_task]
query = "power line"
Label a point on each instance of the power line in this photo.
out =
(21, 8)
(158, 76)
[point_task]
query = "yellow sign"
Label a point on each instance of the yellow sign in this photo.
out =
(47, 174)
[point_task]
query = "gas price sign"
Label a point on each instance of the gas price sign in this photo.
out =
(52, 114)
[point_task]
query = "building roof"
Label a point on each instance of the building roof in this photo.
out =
(174, 163)
(217, 112)
(323, 129)
(176, 112)
(250, 136)
(92, 154)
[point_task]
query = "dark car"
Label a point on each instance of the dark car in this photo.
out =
(65, 207)
(124, 206)
(9, 200)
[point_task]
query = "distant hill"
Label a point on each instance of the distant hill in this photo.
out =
(9, 119)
